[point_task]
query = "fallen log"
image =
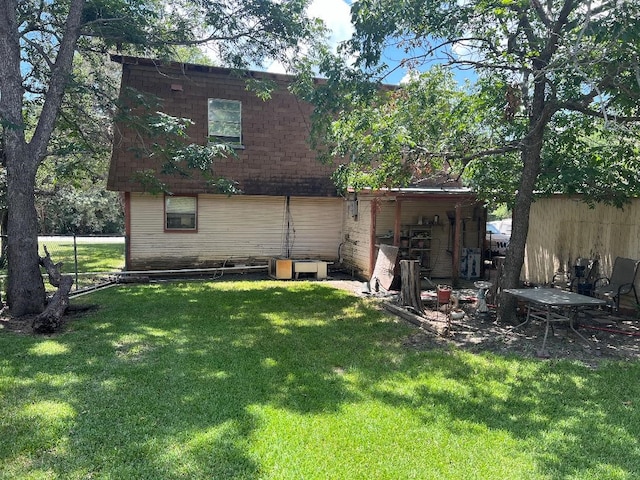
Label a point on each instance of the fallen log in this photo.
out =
(51, 319)
(418, 320)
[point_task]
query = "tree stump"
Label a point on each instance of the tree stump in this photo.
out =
(410, 289)
(50, 320)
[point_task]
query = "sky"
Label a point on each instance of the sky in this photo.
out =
(336, 15)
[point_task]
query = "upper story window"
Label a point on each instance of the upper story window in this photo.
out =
(181, 213)
(225, 121)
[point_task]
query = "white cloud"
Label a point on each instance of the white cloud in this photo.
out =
(411, 75)
(336, 15)
(461, 50)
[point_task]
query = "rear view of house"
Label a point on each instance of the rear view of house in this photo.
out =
(289, 207)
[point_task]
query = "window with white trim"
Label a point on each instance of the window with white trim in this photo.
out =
(180, 213)
(225, 121)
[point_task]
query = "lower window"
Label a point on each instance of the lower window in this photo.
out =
(181, 213)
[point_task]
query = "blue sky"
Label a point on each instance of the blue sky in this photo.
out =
(336, 15)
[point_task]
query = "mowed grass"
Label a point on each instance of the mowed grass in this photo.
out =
(277, 380)
(91, 257)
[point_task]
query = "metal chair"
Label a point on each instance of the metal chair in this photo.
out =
(621, 282)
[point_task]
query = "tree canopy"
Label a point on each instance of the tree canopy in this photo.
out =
(47, 101)
(551, 104)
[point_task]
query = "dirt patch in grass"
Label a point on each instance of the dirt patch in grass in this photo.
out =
(608, 337)
(23, 325)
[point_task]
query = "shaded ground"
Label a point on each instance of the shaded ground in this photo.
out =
(16, 325)
(608, 337)
(22, 325)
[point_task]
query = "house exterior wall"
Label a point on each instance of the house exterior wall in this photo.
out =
(354, 248)
(275, 159)
(562, 229)
(236, 229)
(317, 227)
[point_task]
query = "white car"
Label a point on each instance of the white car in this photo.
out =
(496, 242)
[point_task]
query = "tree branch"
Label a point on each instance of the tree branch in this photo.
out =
(59, 77)
(554, 36)
(542, 15)
(510, 147)
(10, 80)
(50, 320)
(580, 107)
(38, 48)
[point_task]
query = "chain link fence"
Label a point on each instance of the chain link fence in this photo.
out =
(90, 260)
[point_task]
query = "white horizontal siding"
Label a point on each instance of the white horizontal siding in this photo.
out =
(239, 226)
(355, 246)
(236, 227)
(317, 227)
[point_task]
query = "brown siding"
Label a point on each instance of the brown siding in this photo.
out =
(276, 159)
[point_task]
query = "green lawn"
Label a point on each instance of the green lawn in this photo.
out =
(92, 257)
(276, 380)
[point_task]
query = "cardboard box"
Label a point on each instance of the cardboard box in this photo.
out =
(281, 268)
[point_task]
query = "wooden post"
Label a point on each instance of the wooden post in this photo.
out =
(455, 271)
(482, 232)
(372, 235)
(397, 223)
(410, 290)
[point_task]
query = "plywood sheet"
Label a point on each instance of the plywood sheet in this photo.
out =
(384, 270)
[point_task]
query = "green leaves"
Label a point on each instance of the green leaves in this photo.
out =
(566, 69)
(591, 158)
(166, 140)
(393, 136)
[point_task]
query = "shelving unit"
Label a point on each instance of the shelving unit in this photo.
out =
(419, 247)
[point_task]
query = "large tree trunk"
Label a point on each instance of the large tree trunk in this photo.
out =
(531, 159)
(541, 110)
(514, 260)
(25, 289)
(25, 292)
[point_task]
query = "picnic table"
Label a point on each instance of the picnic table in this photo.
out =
(553, 305)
